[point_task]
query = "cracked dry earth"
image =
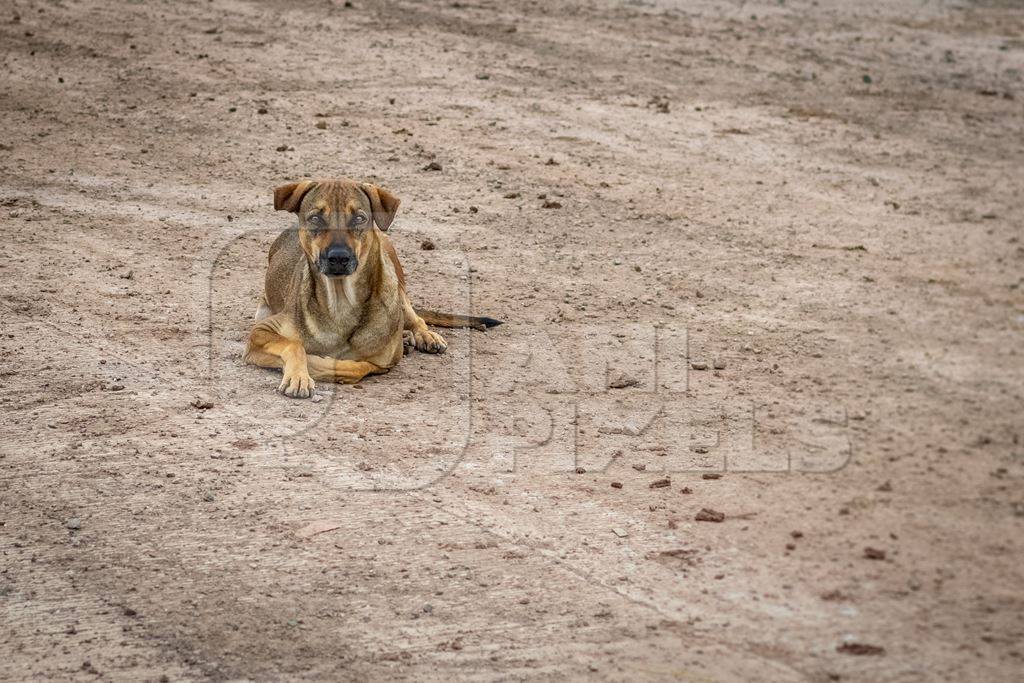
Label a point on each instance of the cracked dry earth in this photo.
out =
(760, 259)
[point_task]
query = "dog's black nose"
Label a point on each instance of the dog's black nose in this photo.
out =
(339, 257)
(339, 260)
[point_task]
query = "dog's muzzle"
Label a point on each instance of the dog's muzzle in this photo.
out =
(337, 261)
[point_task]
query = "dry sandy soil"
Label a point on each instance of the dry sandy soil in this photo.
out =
(820, 204)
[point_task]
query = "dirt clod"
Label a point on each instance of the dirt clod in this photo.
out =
(622, 380)
(709, 515)
(874, 553)
(860, 649)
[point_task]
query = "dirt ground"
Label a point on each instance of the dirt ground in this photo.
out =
(760, 259)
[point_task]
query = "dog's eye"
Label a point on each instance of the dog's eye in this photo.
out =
(316, 221)
(358, 219)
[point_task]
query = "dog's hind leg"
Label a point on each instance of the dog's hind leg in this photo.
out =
(347, 371)
(416, 332)
(422, 337)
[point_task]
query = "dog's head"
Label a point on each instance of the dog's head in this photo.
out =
(336, 219)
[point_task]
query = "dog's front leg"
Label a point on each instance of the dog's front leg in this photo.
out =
(269, 348)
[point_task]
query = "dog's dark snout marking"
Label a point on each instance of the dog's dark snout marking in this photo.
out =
(339, 260)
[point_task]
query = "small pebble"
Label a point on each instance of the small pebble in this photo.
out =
(622, 380)
(874, 553)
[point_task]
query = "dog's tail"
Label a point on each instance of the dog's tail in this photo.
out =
(452, 320)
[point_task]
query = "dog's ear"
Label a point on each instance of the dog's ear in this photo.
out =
(384, 205)
(289, 197)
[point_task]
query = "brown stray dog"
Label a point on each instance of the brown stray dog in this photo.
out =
(335, 307)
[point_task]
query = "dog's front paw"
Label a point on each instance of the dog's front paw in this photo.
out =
(429, 342)
(297, 384)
